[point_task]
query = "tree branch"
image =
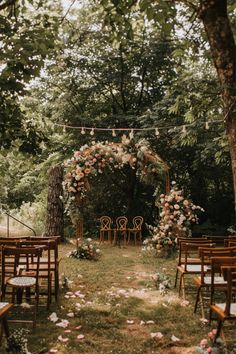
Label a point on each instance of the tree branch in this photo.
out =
(6, 4)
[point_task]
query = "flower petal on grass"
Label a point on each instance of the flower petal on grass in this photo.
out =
(158, 335)
(130, 321)
(80, 336)
(78, 328)
(53, 350)
(53, 317)
(71, 314)
(62, 339)
(174, 338)
(150, 322)
(67, 331)
(204, 320)
(63, 323)
(184, 303)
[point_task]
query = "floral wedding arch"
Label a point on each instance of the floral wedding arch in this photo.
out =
(91, 160)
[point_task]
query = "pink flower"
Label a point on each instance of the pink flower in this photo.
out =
(204, 343)
(209, 350)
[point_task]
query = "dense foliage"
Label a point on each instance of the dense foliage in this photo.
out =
(90, 76)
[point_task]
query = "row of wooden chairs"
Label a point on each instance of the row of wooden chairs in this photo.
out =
(120, 229)
(213, 265)
(29, 267)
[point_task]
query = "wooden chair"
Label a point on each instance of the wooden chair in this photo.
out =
(182, 252)
(121, 229)
(14, 279)
(105, 227)
(203, 282)
(189, 262)
(227, 310)
(54, 262)
(46, 266)
(136, 229)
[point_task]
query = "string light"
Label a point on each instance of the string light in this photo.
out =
(132, 131)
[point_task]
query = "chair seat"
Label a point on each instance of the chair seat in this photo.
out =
(219, 309)
(192, 268)
(207, 281)
(22, 281)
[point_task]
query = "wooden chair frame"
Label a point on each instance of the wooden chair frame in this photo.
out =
(105, 228)
(121, 227)
(188, 264)
(18, 282)
(227, 310)
(204, 280)
(136, 229)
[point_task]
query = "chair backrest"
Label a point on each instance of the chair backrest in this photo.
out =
(15, 255)
(192, 239)
(190, 250)
(137, 222)
(206, 254)
(229, 274)
(105, 222)
(121, 222)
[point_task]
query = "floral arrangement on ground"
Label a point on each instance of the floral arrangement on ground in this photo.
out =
(86, 249)
(177, 215)
(211, 345)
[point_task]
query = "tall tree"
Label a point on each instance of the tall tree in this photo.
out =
(215, 18)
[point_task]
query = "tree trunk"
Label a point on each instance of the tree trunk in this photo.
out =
(213, 14)
(55, 210)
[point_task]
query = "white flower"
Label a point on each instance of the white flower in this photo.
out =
(176, 206)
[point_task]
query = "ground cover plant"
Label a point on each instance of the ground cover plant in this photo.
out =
(115, 306)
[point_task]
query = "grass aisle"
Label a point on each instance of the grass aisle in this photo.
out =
(113, 306)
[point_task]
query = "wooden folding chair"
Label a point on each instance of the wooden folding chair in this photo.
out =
(203, 282)
(227, 310)
(136, 230)
(13, 278)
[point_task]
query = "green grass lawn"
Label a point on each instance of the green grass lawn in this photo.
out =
(115, 298)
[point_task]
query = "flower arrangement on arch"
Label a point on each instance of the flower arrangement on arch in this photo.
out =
(91, 160)
(177, 214)
(86, 249)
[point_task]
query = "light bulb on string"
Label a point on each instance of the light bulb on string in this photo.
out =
(184, 130)
(92, 131)
(131, 134)
(83, 131)
(113, 132)
(207, 125)
(157, 133)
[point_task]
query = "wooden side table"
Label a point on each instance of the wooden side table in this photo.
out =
(4, 309)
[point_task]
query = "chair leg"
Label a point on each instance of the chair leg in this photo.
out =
(218, 330)
(182, 286)
(197, 300)
(176, 278)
